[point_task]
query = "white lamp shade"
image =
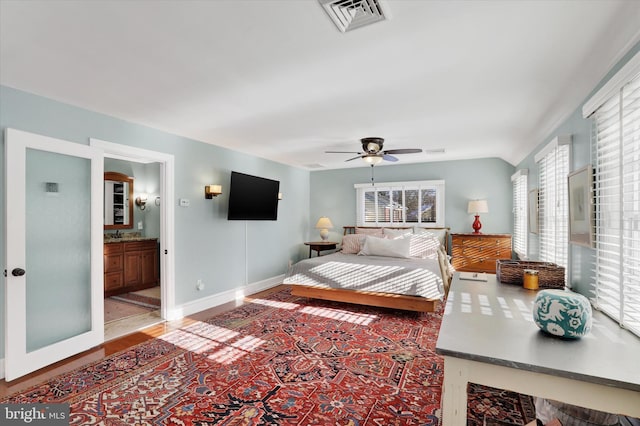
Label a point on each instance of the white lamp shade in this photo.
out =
(477, 206)
(324, 223)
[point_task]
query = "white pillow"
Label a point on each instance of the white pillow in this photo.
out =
(440, 234)
(424, 245)
(394, 234)
(382, 247)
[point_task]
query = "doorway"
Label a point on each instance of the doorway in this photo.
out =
(132, 296)
(156, 172)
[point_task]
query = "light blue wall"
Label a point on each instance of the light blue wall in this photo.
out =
(581, 259)
(333, 194)
(208, 247)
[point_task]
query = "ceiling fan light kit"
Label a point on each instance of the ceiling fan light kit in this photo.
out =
(372, 151)
(372, 159)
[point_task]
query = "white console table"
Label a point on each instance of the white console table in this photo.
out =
(488, 337)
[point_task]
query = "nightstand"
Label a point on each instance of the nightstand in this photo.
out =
(319, 246)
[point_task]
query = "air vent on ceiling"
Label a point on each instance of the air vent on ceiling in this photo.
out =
(351, 14)
(314, 166)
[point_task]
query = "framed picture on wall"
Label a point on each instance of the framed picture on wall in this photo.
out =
(533, 211)
(581, 218)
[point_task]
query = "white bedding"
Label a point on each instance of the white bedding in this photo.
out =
(406, 276)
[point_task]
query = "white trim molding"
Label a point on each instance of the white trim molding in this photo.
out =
(555, 142)
(521, 172)
(236, 294)
(613, 86)
(167, 212)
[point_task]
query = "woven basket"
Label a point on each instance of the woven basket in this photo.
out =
(550, 275)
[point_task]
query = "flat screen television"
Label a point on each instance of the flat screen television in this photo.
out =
(253, 198)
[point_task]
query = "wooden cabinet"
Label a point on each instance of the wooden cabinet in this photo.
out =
(130, 266)
(479, 252)
(113, 267)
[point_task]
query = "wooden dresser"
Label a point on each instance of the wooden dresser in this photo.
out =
(130, 266)
(479, 252)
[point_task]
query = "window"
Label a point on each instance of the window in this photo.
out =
(519, 181)
(616, 154)
(553, 209)
(401, 203)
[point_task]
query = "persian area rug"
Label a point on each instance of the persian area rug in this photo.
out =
(280, 360)
(487, 405)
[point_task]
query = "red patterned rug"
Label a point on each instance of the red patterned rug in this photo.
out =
(280, 360)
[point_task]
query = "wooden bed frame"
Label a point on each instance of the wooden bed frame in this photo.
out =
(370, 298)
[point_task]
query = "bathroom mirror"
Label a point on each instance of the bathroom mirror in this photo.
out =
(118, 201)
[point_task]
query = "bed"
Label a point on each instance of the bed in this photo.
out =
(374, 267)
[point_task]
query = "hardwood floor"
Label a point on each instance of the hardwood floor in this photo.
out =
(116, 345)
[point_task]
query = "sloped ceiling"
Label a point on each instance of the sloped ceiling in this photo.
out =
(278, 80)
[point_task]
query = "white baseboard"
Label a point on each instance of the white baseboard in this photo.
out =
(212, 301)
(221, 298)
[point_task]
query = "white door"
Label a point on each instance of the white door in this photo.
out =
(54, 291)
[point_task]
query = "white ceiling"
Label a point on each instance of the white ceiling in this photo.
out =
(278, 80)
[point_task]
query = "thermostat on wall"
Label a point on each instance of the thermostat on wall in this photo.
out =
(184, 202)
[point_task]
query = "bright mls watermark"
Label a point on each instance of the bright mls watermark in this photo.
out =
(34, 414)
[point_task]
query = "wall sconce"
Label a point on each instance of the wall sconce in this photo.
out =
(211, 191)
(279, 195)
(141, 201)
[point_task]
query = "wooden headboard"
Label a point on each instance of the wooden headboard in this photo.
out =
(352, 230)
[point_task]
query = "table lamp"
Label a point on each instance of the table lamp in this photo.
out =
(475, 207)
(324, 224)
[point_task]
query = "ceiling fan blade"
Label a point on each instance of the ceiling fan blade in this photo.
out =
(354, 158)
(342, 152)
(403, 151)
(389, 157)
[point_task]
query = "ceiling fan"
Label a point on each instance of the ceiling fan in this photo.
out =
(373, 153)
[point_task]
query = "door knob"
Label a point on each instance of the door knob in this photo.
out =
(18, 272)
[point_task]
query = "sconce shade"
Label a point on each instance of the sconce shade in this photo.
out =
(141, 201)
(211, 191)
(324, 224)
(477, 206)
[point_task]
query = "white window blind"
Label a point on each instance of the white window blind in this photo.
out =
(519, 181)
(553, 202)
(401, 203)
(616, 153)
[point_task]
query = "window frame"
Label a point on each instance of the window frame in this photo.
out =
(519, 181)
(437, 185)
(615, 143)
(553, 230)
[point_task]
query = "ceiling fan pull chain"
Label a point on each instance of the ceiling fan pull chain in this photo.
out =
(372, 183)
